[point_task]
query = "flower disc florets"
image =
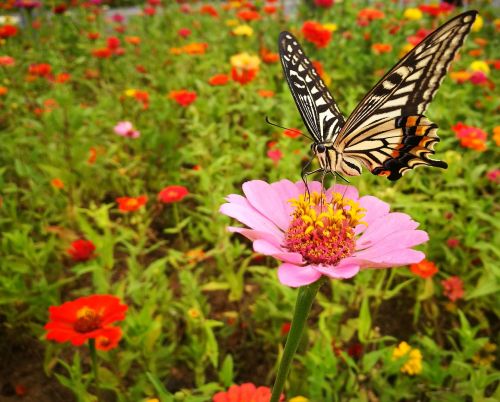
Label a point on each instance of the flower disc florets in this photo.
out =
(322, 231)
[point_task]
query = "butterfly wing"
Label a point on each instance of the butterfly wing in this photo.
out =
(316, 105)
(387, 132)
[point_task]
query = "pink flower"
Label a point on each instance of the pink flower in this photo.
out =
(126, 129)
(478, 78)
(453, 288)
(493, 175)
(275, 155)
(184, 32)
(333, 232)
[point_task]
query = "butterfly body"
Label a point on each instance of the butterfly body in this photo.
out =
(387, 132)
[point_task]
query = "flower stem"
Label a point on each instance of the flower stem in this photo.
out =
(177, 220)
(93, 355)
(303, 305)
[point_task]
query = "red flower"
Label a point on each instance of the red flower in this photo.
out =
(81, 250)
(453, 242)
(275, 155)
(61, 78)
(209, 10)
(269, 57)
(324, 3)
(130, 204)
(419, 36)
(219, 79)
(184, 32)
(292, 133)
(40, 70)
(248, 15)
(60, 8)
(149, 11)
(315, 33)
(7, 61)
(285, 328)
(183, 97)
(453, 288)
(436, 9)
(243, 76)
(244, 393)
(87, 318)
(270, 9)
(425, 269)
(113, 42)
(102, 53)
(93, 35)
(355, 350)
(366, 15)
(172, 194)
(7, 31)
(470, 137)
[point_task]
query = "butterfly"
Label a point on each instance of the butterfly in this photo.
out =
(387, 132)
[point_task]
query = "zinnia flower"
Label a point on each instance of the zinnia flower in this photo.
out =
(453, 288)
(7, 31)
(324, 3)
(380, 48)
(218, 79)
(7, 61)
(413, 14)
(126, 129)
(244, 67)
(87, 318)
(245, 393)
(470, 137)
(413, 364)
(81, 250)
(332, 232)
(425, 269)
(183, 97)
(315, 33)
(130, 204)
(172, 194)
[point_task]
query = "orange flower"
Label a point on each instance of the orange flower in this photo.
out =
(183, 97)
(425, 269)
(475, 52)
(270, 9)
(248, 15)
(292, 133)
(315, 33)
(219, 79)
(460, 76)
(496, 135)
(133, 40)
(92, 156)
(245, 393)
(470, 137)
(195, 48)
(87, 318)
(380, 48)
(102, 53)
(57, 183)
(481, 42)
(265, 93)
(269, 57)
(3, 91)
(130, 204)
(61, 78)
(367, 15)
(208, 9)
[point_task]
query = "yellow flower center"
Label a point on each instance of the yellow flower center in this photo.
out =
(88, 320)
(322, 231)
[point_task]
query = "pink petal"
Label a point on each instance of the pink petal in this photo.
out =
(343, 270)
(383, 226)
(375, 209)
(267, 201)
(395, 241)
(266, 248)
(286, 190)
(295, 275)
(256, 235)
(313, 186)
(395, 258)
(249, 217)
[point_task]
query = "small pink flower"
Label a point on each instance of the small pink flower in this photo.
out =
(453, 288)
(493, 175)
(333, 232)
(126, 129)
(184, 32)
(478, 78)
(118, 18)
(275, 155)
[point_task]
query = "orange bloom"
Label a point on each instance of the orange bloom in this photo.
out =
(57, 183)
(87, 318)
(366, 15)
(244, 67)
(481, 42)
(133, 40)
(425, 269)
(195, 48)
(270, 9)
(460, 76)
(292, 132)
(380, 48)
(248, 15)
(3, 91)
(470, 137)
(219, 79)
(208, 9)
(102, 53)
(269, 57)
(496, 135)
(244, 393)
(265, 93)
(183, 97)
(130, 204)
(61, 78)
(7, 61)
(315, 33)
(475, 52)
(92, 156)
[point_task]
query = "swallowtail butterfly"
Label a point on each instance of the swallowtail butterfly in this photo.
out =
(386, 132)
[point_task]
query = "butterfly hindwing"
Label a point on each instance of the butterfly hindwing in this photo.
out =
(316, 105)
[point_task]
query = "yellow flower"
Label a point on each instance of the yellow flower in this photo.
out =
(9, 20)
(478, 24)
(413, 14)
(413, 364)
(479, 65)
(194, 313)
(130, 92)
(245, 61)
(405, 49)
(486, 355)
(152, 400)
(232, 23)
(332, 28)
(243, 30)
(299, 399)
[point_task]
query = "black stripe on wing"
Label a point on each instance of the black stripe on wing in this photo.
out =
(316, 105)
(408, 88)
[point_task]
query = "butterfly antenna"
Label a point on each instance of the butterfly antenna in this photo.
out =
(285, 128)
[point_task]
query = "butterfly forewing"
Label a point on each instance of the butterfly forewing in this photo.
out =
(387, 132)
(316, 105)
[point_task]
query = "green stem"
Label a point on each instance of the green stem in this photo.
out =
(93, 355)
(177, 220)
(303, 305)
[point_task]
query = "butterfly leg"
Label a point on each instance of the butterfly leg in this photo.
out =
(342, 177)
